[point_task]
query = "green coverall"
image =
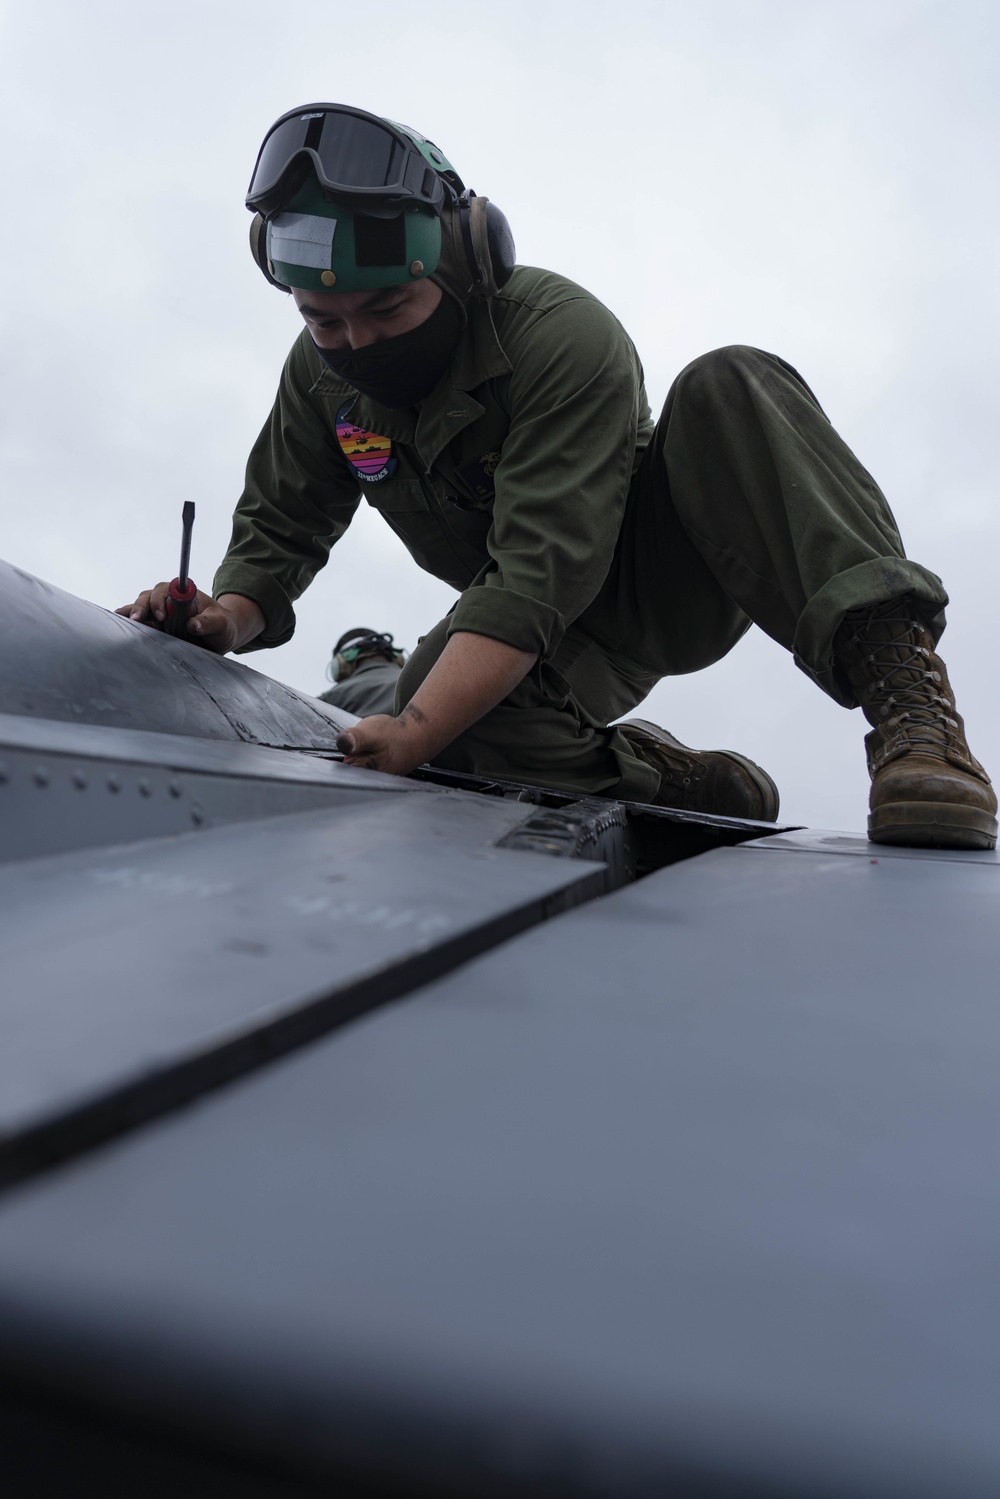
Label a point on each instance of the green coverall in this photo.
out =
(533, 480)
(371, 688)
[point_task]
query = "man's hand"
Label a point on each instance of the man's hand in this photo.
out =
(472, 674)
(219, 625)
(395, 745)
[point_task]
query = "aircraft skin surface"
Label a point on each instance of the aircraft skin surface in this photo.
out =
(439, 1136)
(77, 663)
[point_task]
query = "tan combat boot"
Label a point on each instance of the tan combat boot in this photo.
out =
(718, 781)
(928, 789)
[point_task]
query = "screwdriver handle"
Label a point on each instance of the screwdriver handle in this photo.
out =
(179, 601)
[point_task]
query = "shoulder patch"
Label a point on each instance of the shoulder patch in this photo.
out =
(368, 454)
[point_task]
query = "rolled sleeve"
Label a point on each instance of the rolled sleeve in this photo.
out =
(527, 624)
(269, 596)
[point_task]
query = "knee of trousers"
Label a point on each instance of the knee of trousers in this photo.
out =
(701, 381)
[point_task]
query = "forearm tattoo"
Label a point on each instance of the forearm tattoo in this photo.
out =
(413, 713)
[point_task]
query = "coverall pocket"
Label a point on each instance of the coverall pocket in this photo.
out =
(396, 496)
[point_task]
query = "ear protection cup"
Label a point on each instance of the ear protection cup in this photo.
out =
(500, 244)
(258, 249)
(489, 244)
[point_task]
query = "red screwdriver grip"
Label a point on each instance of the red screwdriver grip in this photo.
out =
(179, 601)
(178, 595)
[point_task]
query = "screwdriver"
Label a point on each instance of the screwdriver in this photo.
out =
(180, 594)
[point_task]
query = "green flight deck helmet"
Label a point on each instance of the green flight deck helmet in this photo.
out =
(346, 201)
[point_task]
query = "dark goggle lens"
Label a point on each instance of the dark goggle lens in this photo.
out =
(285, 140)
(365, 155)
(350, 153)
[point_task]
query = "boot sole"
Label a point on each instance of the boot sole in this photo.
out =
(768, 790)
(932, 825)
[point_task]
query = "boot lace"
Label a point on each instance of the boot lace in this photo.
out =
(904, 683)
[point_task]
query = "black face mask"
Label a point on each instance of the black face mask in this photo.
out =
(400, 371)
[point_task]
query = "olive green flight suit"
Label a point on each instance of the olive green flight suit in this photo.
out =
(533, 480)
(371, 688)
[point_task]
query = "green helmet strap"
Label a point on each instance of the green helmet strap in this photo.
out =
(431, 153)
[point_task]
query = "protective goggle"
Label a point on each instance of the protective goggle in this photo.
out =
(358, 645)
(366, 163)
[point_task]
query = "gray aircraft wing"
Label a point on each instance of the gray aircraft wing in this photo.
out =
(437, 1136)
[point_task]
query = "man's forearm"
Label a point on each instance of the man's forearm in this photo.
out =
(472, 675)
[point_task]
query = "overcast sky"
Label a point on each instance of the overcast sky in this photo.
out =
(817, 179)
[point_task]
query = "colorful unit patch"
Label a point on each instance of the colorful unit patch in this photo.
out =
(368, 454)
